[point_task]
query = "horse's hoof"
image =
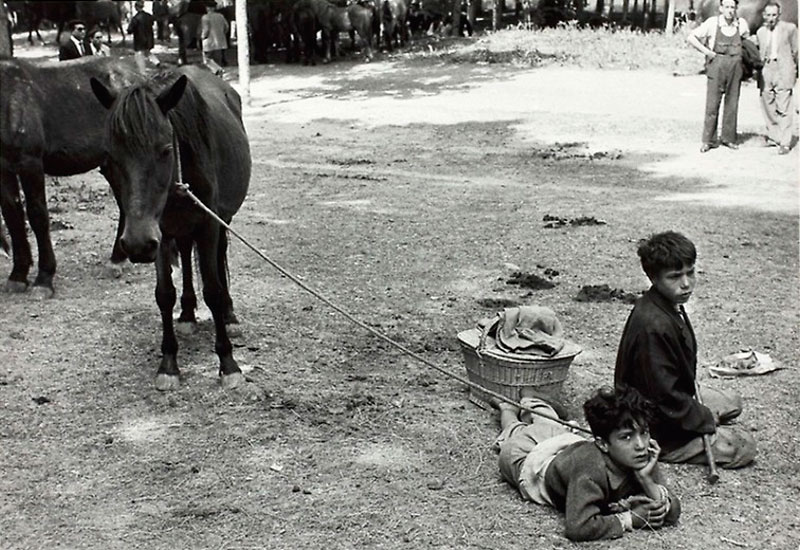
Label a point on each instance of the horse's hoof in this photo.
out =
(16, 287)
(42, 292)
(232, 381)
(167, 382)
(185, 327)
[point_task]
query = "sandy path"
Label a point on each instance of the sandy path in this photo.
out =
(606, 110)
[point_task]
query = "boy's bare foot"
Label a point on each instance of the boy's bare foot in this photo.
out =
(502, 405)
(549, 399)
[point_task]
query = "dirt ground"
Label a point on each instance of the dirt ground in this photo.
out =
(407, 191)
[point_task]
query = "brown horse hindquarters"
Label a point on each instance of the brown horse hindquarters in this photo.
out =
(50, 125)
(361, 19)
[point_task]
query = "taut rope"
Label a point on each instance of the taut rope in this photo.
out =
(184, 188)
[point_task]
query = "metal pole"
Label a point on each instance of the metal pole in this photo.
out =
(243, 50)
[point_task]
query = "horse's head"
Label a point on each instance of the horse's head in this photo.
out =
(141, 159)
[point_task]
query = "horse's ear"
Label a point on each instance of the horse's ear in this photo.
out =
(170, 97)
(103, 94)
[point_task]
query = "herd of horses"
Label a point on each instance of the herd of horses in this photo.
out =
(293, 26)
(141, 131)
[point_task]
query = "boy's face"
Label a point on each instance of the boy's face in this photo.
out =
(629, 448)
(676, 285)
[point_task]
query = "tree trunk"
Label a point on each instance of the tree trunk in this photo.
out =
(456, 11)
(644, 16)
(497, 14)
(6, 41)
(243, 50)
(474, 7)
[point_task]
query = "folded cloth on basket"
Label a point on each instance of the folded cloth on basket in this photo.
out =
(529, 330)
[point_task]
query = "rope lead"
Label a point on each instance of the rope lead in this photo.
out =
(184, 188)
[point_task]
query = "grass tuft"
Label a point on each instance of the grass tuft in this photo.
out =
(570, 46)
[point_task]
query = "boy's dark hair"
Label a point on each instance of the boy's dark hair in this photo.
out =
(668, 250)
(608, 410)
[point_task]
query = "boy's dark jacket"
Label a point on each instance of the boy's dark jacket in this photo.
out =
(658, 356)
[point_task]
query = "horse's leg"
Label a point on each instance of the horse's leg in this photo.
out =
(14, 215)
(188, 296)
(118, 255)
(214, 296)
(182, 38)
(167, 377)
(31, 177)
(327, 41)
(222, 269)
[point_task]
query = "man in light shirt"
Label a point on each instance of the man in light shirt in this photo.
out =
(777, 45)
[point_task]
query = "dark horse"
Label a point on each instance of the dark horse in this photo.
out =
(186, 122)
(50, 123)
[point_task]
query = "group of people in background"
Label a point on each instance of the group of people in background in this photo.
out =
(77, 45)
(723, 39)
(214, 29)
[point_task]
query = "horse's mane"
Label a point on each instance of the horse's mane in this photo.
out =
(134, 112)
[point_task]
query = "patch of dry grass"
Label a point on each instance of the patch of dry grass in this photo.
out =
(570, 46)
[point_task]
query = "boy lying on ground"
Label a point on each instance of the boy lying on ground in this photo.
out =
(606, 486)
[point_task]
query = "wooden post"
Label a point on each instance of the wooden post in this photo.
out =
(243, 50)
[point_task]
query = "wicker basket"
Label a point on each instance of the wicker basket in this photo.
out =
(507, 373)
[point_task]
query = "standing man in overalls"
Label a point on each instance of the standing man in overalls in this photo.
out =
(719, 38)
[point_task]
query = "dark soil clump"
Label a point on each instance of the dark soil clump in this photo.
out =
(529, 280)
(604, 293)
(552, 222)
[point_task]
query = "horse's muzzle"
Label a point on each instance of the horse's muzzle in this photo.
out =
(140, 246)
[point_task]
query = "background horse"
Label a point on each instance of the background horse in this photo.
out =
(50, 123)
(106, 14)
(185, 17)
(184, 121)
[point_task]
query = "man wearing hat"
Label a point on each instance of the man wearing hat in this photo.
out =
(141, 28)
(74, 47)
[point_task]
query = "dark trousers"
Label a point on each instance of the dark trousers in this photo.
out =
(724, 74)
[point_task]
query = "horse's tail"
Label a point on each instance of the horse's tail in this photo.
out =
(3, 242)
(174, 253)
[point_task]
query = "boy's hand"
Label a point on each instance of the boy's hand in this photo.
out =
(653, 452)
(648, 513)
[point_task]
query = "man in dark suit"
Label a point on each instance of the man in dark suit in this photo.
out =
(74, 47)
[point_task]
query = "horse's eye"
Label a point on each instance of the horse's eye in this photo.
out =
(166, 151)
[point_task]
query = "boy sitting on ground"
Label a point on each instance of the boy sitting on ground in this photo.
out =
(658, 356)
(606, 486)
